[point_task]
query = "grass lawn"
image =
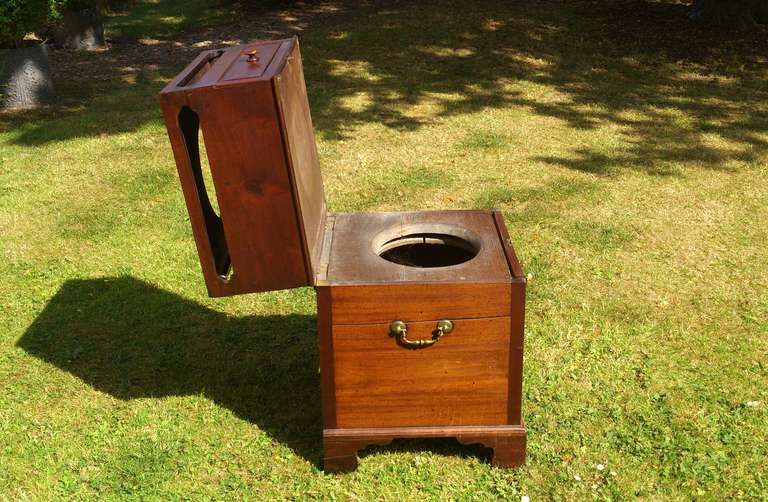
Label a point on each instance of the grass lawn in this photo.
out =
(627, 150)
(164, 18)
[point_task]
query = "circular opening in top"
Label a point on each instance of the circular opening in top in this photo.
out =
(426, 250)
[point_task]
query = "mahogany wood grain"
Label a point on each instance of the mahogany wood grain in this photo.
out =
(413, 302)
(509, 252)
(250, 62)
(354, 258)
(255, 122)
(273, 230)
(325, 344)
(463, 379)
(516, 342)
(230, 65)
(517, 314)
(371, 381)
(299, 139)
(253, 188)
(207, 231)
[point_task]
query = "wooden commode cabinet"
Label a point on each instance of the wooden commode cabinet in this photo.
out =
(420, 314)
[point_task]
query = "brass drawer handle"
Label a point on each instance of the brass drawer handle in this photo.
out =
(399, 330)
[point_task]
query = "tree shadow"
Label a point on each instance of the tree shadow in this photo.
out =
(152, 19)
(674, 91)
(132, 340)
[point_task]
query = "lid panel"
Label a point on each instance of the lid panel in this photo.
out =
(261, 150)
(251, 61)
(302, 156)
(231, 66)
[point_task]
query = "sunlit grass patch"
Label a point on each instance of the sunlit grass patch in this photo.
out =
(483, 140)
(599, 237)
(155, 18)
(421, 177)
(154, 181)
(495, 197)
(398, 186)
(540, 203)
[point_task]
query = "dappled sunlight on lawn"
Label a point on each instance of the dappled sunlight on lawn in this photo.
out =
(382, 66)
(625, 146)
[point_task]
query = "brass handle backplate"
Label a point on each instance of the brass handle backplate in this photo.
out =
(399, 330)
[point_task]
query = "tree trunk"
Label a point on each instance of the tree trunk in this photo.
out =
(25, 77)
(737, 14)
(80, 30)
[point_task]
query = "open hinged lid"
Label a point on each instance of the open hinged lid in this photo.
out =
(251, 103)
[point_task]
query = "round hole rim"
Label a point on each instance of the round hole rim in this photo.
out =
(436, 234)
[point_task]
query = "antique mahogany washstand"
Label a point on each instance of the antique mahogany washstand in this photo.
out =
(420, 314)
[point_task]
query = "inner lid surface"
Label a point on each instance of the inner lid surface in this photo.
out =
(304, 168)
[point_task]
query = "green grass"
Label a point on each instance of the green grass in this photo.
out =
(482, 140)
(163, 18)
(632, 178)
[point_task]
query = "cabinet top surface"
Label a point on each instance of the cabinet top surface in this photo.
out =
(354, 256)
(259, 60)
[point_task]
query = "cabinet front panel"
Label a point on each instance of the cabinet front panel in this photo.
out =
(463, 379)
(386, 302)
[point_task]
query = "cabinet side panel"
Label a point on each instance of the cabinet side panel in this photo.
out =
(516, 342)
(172, 105)
(325, 343)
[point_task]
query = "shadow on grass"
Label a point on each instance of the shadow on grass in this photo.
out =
(131, 340)
(442, 446)
(152, 19)
(672, 91)
(123, 108)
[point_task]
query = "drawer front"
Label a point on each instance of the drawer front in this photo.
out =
(463, 379)
(385, 302)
